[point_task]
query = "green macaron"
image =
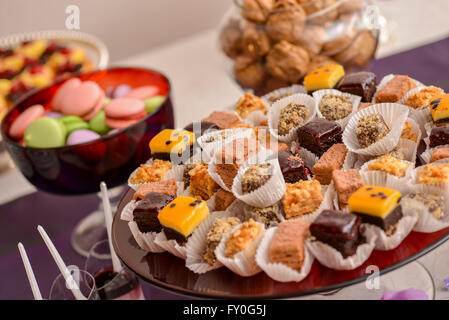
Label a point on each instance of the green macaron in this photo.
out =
(73, 123)
(45, 133)
(153, 103)
(98, 124)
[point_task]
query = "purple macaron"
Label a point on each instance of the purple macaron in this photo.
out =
(53, 114)
(81, 136)
(120, 91)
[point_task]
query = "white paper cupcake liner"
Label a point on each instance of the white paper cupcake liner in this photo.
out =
(127, 211)
(384, 179)
(196, 245)
(333, 259)
(170, 246)
(426, 155)
(350, 161)
(334, 198)
(176, 172)
(255, 118)
(278, 271)
(437, 186)
(274, 113)
(266, 195)
(243, 263)
(394, 115)
(384, 242)
(426, 222)
(319, 94)
(410, 147)
(211, 169)
(238, 209)
(422, 116)
(325, 204)
(135, 186)
(144, 240)
(387, 79)
(294, 89)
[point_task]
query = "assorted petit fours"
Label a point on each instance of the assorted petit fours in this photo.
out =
(292, 167)
(202, 186)
(255, 177)
(439, 107)
(241, 238)
(331, 160)
(395, 89)
(346, 182)
(390, 165)
(169, 144)
(302, 198)
(249, 103)
(164, 186)
(288, 245)
(291, 116)
(325, 77)
(370, 129)
(378, 206)
(335, 106)
(439, 136)
(338, 229)
(439, 154)
(181, 216)
(223, 199)
(319, 135)
(147, 210)
(219, 228)
(361, 84)
(152, 172)
(434, 174)
(433, 203)
(422, 97)
(268, 215)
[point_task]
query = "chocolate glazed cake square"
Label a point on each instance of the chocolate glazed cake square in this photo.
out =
(145, 214)
(319, 135)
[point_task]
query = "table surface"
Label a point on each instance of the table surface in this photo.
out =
(200, 84)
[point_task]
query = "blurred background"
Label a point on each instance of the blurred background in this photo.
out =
(126, 26)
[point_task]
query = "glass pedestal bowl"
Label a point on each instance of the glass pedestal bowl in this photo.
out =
(79, 169)
(273, 44)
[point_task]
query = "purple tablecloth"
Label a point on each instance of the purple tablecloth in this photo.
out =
(19, 218)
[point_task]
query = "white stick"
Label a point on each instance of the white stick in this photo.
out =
(116, 265)
(30, 274)
(73, 286)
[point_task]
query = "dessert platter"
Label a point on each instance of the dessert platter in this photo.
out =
(293, 193)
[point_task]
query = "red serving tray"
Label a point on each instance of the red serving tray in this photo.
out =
(169, 272)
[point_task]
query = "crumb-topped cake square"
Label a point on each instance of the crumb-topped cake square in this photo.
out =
(165, 186)
(219, 228)
(434, 174)
(242, 237)
(152, 172)
(224, 120)
(249, 103)
(301, 198)
(390, 165)
(255, 177)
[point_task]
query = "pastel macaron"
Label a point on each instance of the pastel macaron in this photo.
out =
(143, 93)
(73, 123)
(98, 123)
(82, 136)
(153, 103)
(123, 112)
(19, 126)
(79, 98)
(45, 133)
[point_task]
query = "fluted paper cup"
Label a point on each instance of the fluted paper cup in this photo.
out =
(135, 186)
(288, 91)
(278, 271)
(426, 222)
(385, 179)
(319, 94)
(394, 115)
(196, 245)
(350, 161)
(274, 113)
(170, 246)
(127, 211)
(426, 155)
(442, 186)
(243, 263)
(145, 240)
(269, 193)
(333, 259)
(176, 172)
(383, 241)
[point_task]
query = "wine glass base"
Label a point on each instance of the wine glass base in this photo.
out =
(87, 232)
(413, 275)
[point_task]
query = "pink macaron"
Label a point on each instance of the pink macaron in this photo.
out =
(19, 126)
(61, 93)
(123, 112)
(79, 99)
(143, 93)
(96, 109)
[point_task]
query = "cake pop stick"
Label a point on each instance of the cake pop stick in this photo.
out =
(61, 265)
(30, 274)
(116, 265)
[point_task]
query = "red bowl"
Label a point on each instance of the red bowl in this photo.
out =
(79, 169)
